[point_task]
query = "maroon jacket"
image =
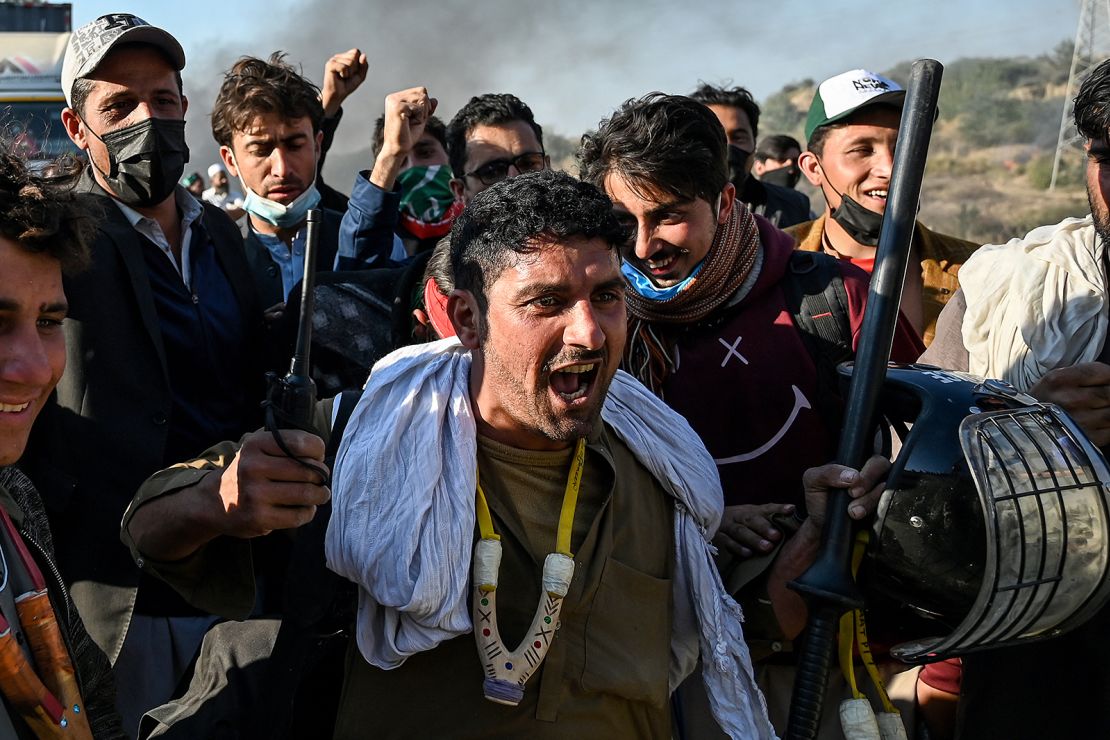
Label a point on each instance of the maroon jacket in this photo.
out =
(747, 384)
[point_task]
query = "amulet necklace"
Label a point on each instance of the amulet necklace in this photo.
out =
(507, 671)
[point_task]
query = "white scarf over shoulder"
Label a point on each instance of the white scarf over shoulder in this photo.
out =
(1035, 304)
(402, 523)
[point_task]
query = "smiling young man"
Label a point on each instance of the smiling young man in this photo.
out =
(712, 331)
(267, 120)
(492, 137)
(43, 233)
(852, 128)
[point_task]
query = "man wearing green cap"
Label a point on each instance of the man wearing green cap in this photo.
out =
(852, 128)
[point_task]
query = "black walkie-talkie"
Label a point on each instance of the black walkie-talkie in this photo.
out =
(292, 399)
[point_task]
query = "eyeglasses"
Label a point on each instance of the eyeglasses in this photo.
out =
(497, 170)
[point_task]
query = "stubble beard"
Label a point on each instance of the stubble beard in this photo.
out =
(533, 410)
(1101, 216)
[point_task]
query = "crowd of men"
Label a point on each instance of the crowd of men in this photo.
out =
(570, 499)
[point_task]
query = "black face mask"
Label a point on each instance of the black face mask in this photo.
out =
(861, 224)
(785, 177)
(737, 163)
(146, 160)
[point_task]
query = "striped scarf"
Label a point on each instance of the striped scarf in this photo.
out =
(653, 325)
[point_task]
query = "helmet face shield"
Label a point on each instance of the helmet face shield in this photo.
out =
(1010, 531)
(1043, 489)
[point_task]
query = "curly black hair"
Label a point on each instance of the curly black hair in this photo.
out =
(659, 144)
(492, 109)
(520, 215)
(253, 87)
(1092, 104)
(41, 214)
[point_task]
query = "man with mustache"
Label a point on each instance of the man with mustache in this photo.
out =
(592, 500)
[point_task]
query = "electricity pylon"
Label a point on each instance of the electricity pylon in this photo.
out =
(1092, 45)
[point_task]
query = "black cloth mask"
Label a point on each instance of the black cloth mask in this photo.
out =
(737, 166)
(861, 224)
(785, 177)
(146, 160)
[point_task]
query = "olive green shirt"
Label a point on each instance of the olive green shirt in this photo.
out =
(605, 675)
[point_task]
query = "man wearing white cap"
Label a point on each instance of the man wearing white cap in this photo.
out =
(220, 194)
(165, 347)
(851, 128)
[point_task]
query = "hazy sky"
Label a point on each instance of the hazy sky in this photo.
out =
(573, 61)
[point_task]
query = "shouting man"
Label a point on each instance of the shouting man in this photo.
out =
(592, 499)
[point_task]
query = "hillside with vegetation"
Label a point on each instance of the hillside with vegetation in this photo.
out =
(991, 155)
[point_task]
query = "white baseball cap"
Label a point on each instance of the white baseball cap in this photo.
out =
(90, 43)
(840, 96)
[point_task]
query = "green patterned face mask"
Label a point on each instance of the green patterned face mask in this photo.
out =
(427, 203)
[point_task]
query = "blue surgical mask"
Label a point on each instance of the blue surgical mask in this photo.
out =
(278, 214)
(642, 284)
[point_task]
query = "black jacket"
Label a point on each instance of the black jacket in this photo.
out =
(105, 429)
(781, 206)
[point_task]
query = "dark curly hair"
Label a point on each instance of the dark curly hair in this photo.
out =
(41, 213)
(1092, 104)
(659, 144)
(253, 87)
(521, 214)
(491, 109)
(733, 97)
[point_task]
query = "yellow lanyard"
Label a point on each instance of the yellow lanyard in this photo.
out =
(566, 515)
(853, 633)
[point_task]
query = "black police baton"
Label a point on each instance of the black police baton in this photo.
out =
(828, 586)
(291, 400)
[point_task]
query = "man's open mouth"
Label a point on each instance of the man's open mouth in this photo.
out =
(13, 408)
(662, 264)
(574, 381)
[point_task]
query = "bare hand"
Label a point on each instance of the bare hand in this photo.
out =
(343, 74)
(864, 487)
(263, 489)
(406, 113)
(1083, 391)
(747, 528)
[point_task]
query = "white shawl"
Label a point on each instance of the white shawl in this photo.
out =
(402, 524)
(1036, 303)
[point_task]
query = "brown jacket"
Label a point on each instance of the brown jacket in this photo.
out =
(941, 258)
